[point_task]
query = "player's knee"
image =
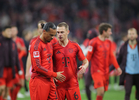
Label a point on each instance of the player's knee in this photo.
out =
(101, 93)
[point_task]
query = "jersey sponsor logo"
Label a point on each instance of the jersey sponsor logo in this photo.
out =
(36, 54)
(58, 52)
(90, 48)
(70, 50)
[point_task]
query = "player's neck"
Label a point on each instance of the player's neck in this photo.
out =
(102, 38)
(132, 42)
(14, 38)
(63, 43)
(42, 38)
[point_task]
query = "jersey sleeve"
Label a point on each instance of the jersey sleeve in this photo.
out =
(80, 54)
(113, 58)
(90, 50)
(36, 63)
(23, 52)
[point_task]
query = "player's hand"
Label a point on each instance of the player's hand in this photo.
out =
(19, 46)
(55, 80)
(21, 82)
(119, 71)
(82, 69)
(60, 76)
(79, 76)
(28, 76)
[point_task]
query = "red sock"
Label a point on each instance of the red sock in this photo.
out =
(14, 92)
(0, 97)
(99, 97)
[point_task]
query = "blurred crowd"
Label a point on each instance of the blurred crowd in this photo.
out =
(81, 15)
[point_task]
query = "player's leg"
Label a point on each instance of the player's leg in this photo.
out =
(2, 90)
(128, 86)
(73, 94)
(99, 85)
(39, 88)
(136, 80)
(53, 93)
(61, 93)
(88, 82)
(100, 93)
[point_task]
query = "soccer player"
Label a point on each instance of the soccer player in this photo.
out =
(92, 33)
(64, 58)
(128, 59)
(19, 81)
(28, 63)
(41, 84)
(101, 55)
(8, 61)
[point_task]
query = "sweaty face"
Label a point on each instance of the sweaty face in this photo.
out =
(62, 33)
(132, 35)
(48, 36)
(40, 28)
(108, 33)
(7, 33)
(14, 31)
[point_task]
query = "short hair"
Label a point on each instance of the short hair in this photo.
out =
(5, 27)
(63, 24)
(42, 22)
(49, 25)
(104, 27)
(132, 29)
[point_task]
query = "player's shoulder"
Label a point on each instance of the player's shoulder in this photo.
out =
(94, 40)
(73, 43)
(108, 41)
(36, 44)
(33, 39)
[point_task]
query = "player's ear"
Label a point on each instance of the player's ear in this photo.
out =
(68, 31)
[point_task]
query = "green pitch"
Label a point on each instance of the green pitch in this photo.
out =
(109, 95)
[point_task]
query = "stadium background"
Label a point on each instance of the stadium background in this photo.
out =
(81, 15)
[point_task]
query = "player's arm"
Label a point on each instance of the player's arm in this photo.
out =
(115, 63)
(28, 65)
(36, 63)
(90, 50)
(82, 58)
(22, 48)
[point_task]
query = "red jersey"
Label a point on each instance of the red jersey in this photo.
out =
(86, 42)
(101, 55)
(41, 59)
(21, 42)
(64, 59)
(21, 53)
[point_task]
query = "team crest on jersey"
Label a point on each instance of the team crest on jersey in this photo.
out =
(90, 48)
(36, 54)
(70, 50)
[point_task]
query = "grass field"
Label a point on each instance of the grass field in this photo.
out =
(109, 95)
